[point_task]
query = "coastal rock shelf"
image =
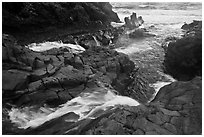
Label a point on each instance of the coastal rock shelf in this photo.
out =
(58, 75)
(76, 69)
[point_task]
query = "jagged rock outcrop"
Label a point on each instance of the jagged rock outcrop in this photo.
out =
(135, 26)
(183, 58)
(133, 21)
(194, 26)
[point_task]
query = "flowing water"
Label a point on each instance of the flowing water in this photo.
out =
(86, 105)
(163, 19)
(74, 48)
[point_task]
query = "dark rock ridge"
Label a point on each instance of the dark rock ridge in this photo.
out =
(25, 20)
(44, 14)
(183, 58)
(176, 110)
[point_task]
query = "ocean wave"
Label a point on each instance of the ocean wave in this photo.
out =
(158, 5)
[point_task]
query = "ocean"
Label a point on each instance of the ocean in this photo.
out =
(164, 16)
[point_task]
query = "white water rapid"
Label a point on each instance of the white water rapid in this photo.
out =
(159, 84)
(74, 48)
(85, 105)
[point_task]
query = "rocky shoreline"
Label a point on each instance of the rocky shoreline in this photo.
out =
(55, 76)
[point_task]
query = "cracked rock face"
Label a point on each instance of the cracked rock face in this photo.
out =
(177, 109)
(58, 75)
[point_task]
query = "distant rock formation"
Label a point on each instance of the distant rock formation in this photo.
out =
(135, 26)
(133, 21)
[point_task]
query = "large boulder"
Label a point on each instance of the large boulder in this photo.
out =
(183, 58)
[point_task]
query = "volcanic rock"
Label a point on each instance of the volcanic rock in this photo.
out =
(152, 119)
(39, 21)
(133, 22)
(17, 15)
(183, 58)
(57, 75)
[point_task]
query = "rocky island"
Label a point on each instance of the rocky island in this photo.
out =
(66, 70)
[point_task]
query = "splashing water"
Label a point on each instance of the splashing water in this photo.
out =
(86, 106)
(117, 25)
(49, 45)
(97, 42)
(134, 47)
(159, 84)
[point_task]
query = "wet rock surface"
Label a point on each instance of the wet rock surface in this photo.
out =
(176, 110)
(183, 58)
(58, 75)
